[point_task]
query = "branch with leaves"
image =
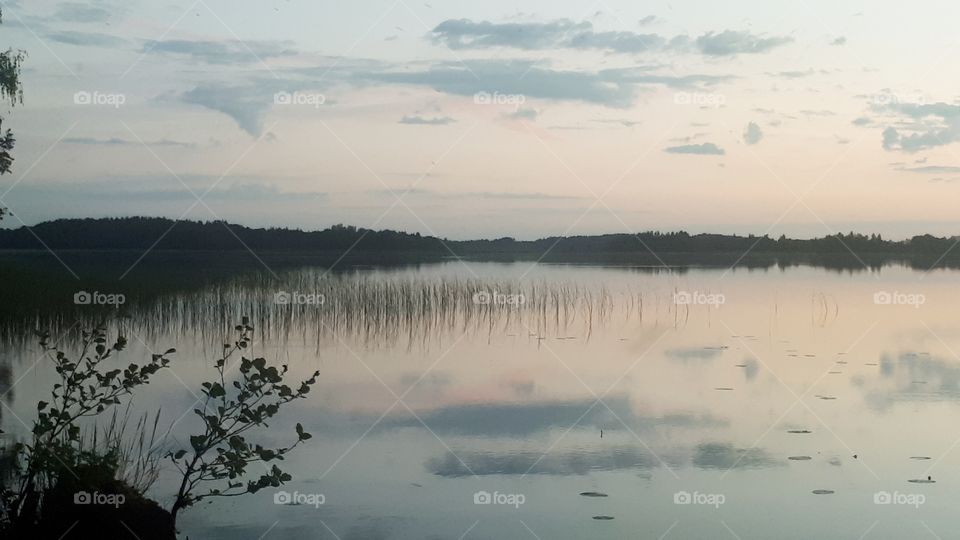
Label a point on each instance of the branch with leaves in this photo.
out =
(221, 454)
(84, 390)
(11, 90)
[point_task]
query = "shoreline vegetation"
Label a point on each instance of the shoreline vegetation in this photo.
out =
(651, 248)
(80, 470)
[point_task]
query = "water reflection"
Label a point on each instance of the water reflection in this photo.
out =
(526, 419)
(505, 396)
(564, 463)
(910, 377)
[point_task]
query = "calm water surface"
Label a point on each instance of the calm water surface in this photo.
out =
(720, 418)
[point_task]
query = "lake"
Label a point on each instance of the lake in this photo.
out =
(514, 400)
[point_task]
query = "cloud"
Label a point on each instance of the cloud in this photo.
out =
(616, 88)
(76, 12)
(219, 52)
(524, 113)
(648, 20)
(450, 195)
(467, 34)
(731, 42)
(425, 121)
(625, 122)
(794, 74)
(245, 104)
(85, 39)
(114, 141)
(822, 112)
(752, 134)
(923, 126)
(706, 149)
(567, 34)
(932, 169)
(861, 121)
(513, 81)
(517, 196)
(518, 78)
(841, 40)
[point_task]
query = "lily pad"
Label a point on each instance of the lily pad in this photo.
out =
(823, 492)
(593, 494)
(921, 481)
(603, 518)
(799, 431)
(724, 388)
(920, 458)
(800, 458)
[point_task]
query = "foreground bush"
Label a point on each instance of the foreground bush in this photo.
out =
(60, 482)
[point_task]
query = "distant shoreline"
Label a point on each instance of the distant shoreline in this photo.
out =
(165, 235)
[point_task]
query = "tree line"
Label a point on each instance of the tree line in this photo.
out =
(140, 233)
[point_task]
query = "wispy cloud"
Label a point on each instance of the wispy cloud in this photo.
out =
(427, 121)
(116, 141)
(568, 34)
(86, 39)
(222, 52)
(612, 88)
(932, 169)
(705, 149)
(732, 42)
(76, 12)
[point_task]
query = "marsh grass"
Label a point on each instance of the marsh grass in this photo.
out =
(386, 312)
(135, 442)
(377, 309)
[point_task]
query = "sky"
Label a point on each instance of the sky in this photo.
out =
(489, 119)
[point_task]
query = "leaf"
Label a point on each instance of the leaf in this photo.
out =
(216, 390)
(197, 441)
